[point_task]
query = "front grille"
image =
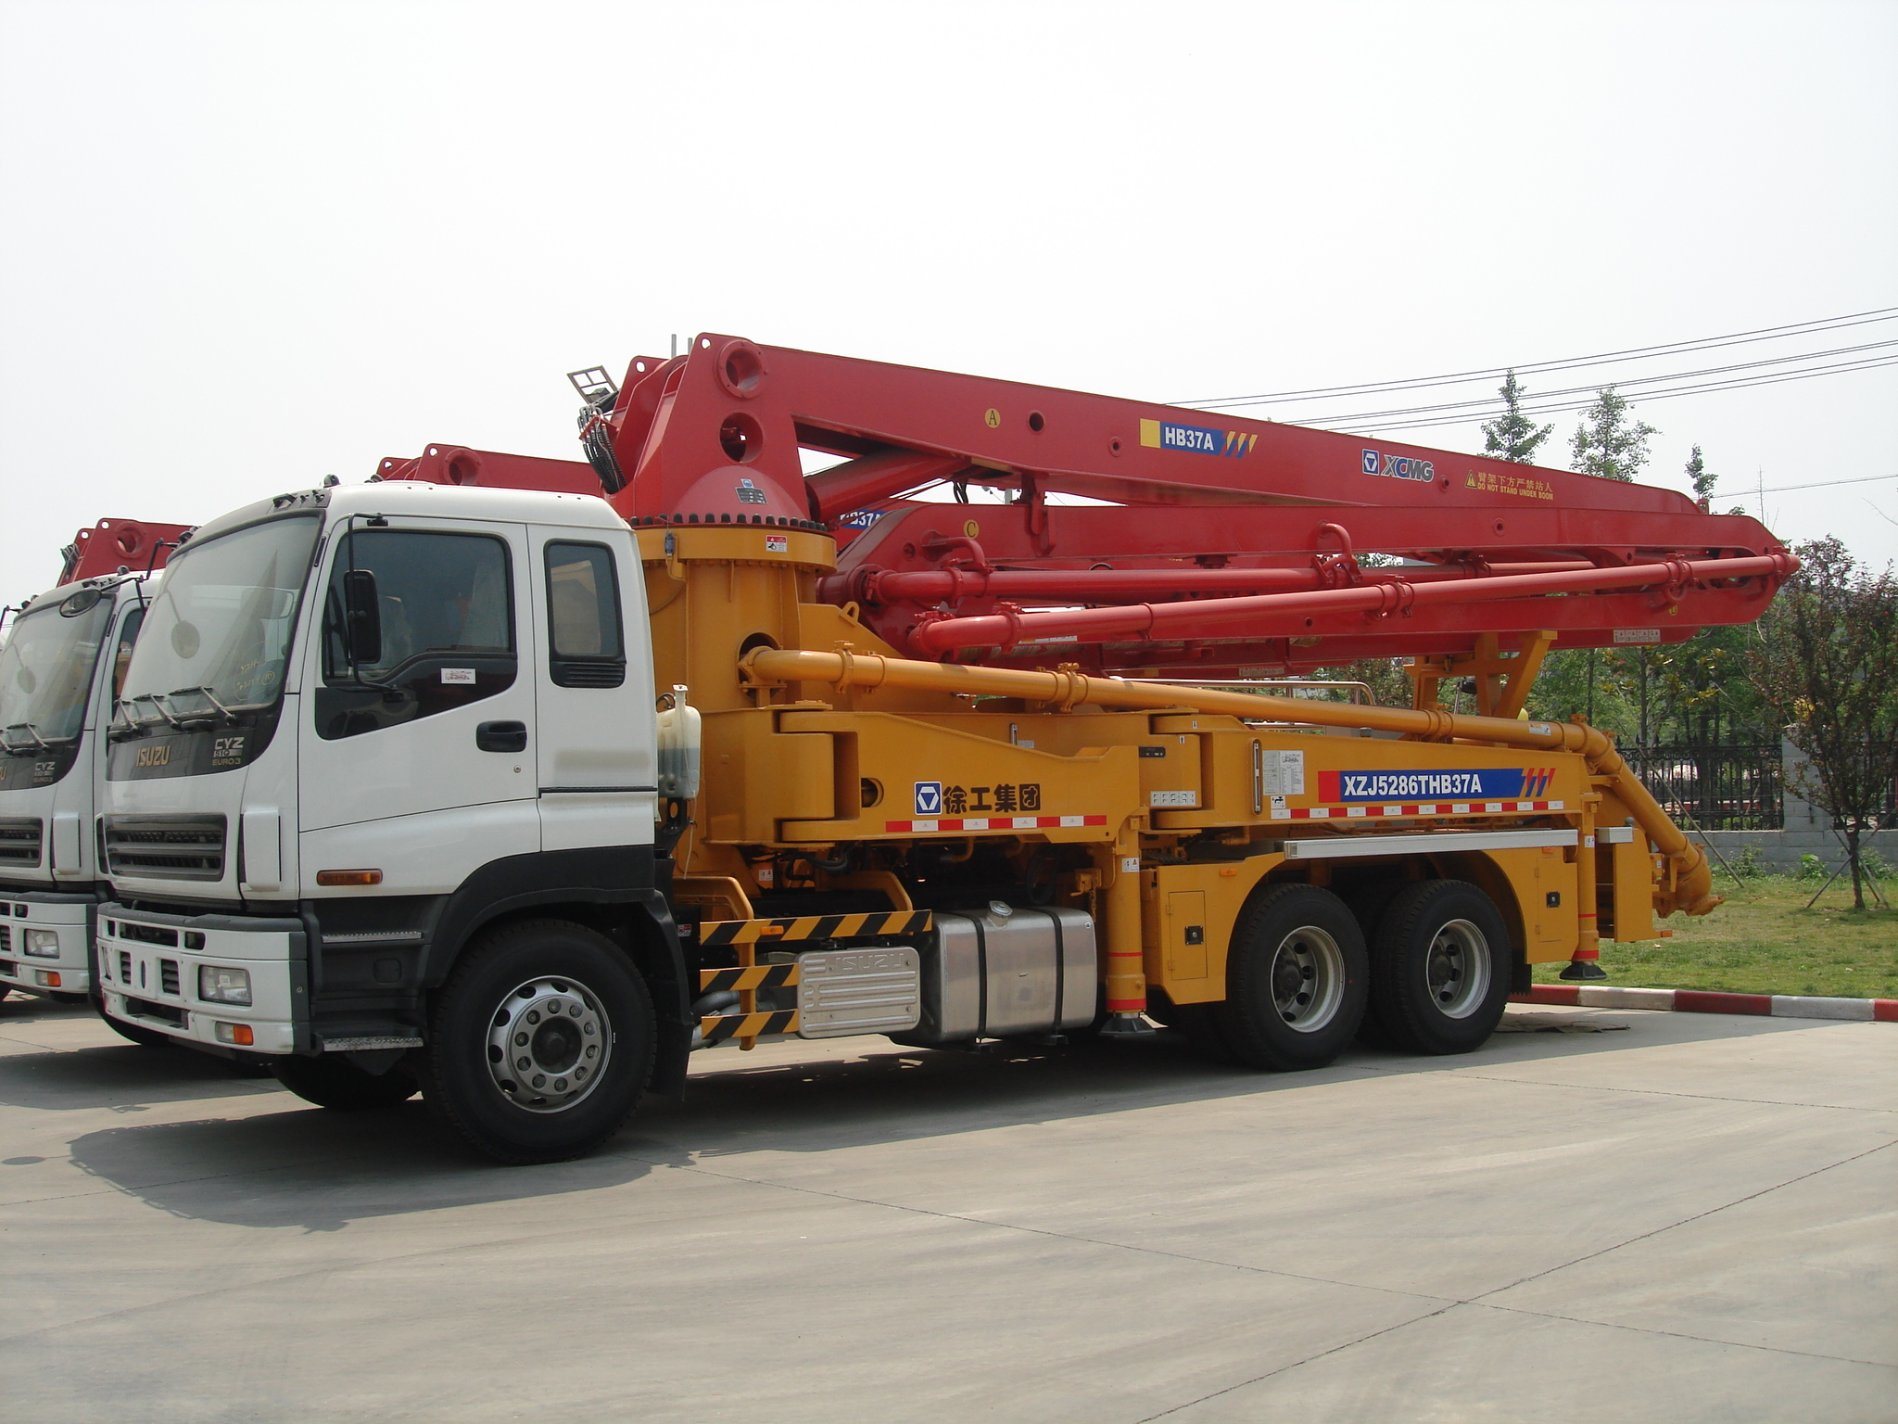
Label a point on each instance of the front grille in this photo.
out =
(168, 976)
(147, 934)
(146, 1009)
(20, 840)
(125, 967)
(6, 939)
(166, 847)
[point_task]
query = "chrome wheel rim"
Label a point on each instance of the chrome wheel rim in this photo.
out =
(1457, 969)
(548, 1044)
(1307, 978)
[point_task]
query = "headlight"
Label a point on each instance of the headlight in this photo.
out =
(42, 944)
(223, 986)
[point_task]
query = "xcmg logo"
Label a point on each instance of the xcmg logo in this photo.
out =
(1396, 467)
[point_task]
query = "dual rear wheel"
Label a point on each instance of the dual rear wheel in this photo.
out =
(1301, 978)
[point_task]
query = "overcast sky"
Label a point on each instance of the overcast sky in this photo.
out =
(246, 245)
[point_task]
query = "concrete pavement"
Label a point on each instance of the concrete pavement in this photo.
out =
(1603, 1215)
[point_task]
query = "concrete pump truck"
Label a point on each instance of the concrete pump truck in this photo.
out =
(58, 683)
(518, 796)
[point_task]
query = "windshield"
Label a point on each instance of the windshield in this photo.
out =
(216, 638)
(45, 671)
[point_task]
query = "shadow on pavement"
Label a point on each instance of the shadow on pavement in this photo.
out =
(121, 1076)
(316, 1170)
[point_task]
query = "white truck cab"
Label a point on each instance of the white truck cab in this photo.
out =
(321, 783)
(58, 676)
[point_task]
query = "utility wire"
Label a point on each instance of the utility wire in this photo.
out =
(1816, 484)
(1491, 402)
(1475, 417)
(1764, 333)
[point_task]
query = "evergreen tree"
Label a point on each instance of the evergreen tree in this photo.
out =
(1610, 443)
(1512, 435)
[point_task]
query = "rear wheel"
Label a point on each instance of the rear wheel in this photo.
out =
(1295, 980)
(540, 1043)
(1440, 968)
(332, 1082)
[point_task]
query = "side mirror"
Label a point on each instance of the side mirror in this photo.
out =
(362, 615)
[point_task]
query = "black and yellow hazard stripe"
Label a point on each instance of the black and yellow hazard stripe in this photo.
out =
(756, 976)
(716, 934)
(717, 1028)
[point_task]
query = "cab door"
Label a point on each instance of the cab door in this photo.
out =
(596, 753)
(419, 761)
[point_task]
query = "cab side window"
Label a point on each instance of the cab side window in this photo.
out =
(122, 651)
(586, 644)
(446, 609)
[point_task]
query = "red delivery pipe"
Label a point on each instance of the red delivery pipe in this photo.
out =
(1005, 629)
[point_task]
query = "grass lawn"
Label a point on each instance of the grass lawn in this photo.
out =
(1765, 941)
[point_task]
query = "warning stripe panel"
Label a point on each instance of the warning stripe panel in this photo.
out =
(718, 1028)
(757, 976)
(941, 824)
(714, 934)
(1429, 808)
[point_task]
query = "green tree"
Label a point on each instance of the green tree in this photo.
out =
(1575, 680)
(1512, 435)
(1610, 443)
(1704, 479)
(1827, 666)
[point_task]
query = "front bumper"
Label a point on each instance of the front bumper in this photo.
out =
(68, 918)
(148, 976)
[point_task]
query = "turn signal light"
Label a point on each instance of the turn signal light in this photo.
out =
(349, 877)
(48, 978)
(238, 1034)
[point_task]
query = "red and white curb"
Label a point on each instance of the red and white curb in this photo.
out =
(1710, 1001)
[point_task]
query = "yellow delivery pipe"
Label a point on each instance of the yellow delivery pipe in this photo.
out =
(1692, 887)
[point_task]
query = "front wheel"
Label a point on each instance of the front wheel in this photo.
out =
(336, 1083)
(1440, 968)
(540, 1043)
(1295, 980)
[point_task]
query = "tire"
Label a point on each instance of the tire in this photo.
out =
(1295, 980)
(334, 1082)
(540, 1043)
(1440, 968)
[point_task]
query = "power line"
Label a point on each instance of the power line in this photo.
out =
(1764, 333)
(1491, 402)
(1476, 417)
(1819, 484)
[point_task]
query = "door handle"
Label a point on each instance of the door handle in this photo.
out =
(501, 736)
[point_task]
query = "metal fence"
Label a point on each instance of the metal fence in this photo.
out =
(1717, 788)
